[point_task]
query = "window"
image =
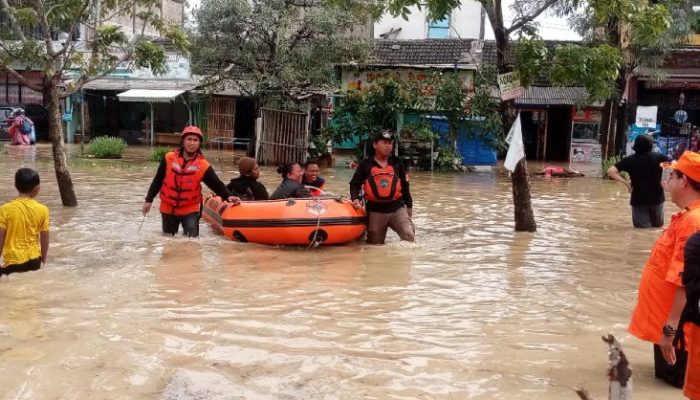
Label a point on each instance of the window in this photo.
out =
(439, 29)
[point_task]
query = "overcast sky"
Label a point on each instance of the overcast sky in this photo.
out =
(551, 27)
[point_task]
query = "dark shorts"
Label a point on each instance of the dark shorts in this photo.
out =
(648, 216)
(31, 265)
(398, 221)
(189, 222)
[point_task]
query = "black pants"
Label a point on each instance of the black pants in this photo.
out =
(189, 222)
(674, 374)
(648, 216)
(31, 265)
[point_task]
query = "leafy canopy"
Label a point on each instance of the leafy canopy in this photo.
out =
(30, 38)
(277, 47)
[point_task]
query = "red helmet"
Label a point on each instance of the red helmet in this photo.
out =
(192, 130)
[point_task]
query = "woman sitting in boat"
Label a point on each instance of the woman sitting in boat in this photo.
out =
(247, 186)
(291, 185)
(311, 179)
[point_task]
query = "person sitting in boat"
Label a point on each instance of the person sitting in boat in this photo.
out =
(311, 180)
(291, 186)
(179, 182)
(247, 186)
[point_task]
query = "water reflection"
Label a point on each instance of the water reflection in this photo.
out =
(471, 310)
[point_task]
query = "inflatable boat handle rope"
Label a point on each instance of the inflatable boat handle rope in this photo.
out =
(315, 243)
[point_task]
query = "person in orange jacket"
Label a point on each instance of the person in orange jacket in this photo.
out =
(179, 181)
(661, 295)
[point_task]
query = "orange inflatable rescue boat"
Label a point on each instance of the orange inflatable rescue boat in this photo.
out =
(288, 221)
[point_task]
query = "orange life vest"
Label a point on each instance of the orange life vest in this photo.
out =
(181, 193)
(383, 185)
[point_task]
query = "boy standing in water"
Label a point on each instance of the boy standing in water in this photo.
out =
(24, 226)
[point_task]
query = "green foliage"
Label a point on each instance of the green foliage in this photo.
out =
(530, 59)
(358, 114)
(484, 109)
(418, 130)
(361, 113)
(695, 22)
(106, 147)
(157, 154)
(445, 160)
(450, 100)
(23, 39)
(275, 48)
(636, 34)
(609, 162)
(596, 67)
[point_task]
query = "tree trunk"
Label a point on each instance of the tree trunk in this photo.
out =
(522, 205)
(522, 211)
(60, 160)
(614, 119)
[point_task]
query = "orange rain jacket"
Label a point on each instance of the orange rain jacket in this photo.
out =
(662, 275)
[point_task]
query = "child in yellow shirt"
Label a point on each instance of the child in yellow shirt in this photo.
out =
(24, 227)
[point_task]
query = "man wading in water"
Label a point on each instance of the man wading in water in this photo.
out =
(647, 194)
(179, 181)
(388, 200)
(661, 293)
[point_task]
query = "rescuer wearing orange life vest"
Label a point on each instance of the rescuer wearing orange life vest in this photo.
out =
(661, 295)
(384, 184)
(179, 182)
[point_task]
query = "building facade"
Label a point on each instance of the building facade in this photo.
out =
(465, 22)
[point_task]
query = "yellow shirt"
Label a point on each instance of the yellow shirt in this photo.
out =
(22, 218)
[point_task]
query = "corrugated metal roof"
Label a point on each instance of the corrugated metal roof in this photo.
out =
(550, 96)
(119, 84)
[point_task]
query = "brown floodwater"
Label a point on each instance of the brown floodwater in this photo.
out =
(470, 310)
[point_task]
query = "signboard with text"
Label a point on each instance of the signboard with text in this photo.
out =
(646, 116)
(509, 85)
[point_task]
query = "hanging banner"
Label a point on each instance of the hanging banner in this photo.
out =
(516, 148)
(646, 116)
(509, 85)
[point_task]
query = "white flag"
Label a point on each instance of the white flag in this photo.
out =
(516, 149)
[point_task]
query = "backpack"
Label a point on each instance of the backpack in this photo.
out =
(25, 126)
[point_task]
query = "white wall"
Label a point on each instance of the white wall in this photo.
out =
(465, 23)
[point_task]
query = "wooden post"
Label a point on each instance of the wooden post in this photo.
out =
(82, 121)
(546, 131)
(619, 373)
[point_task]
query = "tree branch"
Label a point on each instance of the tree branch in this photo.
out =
(73, 25)
(20, 78)
(46, 31)
(525, 19)
(13, 21)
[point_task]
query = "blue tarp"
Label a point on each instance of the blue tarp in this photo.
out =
(473, 150)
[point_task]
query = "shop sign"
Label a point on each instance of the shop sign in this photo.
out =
(509, 85)
(646, 116)
(586, 115)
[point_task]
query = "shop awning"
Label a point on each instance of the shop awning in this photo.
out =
(153, 96)
(149, 95)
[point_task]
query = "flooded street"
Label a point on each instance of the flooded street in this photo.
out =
(471, 310)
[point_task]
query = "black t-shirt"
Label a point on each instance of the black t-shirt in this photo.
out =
(645, 174)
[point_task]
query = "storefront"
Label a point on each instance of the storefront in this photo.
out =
(585, 150)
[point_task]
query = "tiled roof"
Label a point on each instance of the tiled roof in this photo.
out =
(424, 53)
